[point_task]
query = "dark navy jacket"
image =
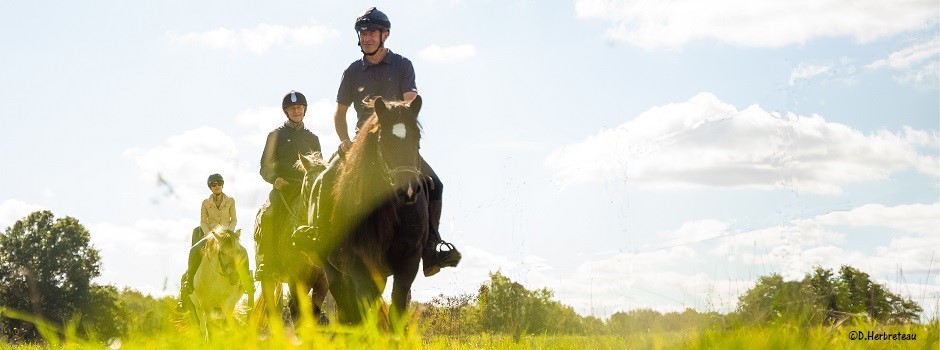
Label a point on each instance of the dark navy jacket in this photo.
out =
(281, 149)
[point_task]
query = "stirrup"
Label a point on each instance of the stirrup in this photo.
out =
(447, 258)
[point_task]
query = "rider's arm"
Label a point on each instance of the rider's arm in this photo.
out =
(231, 213)
(408, 86)
(339, 121)
(204, 218)
(268, 165)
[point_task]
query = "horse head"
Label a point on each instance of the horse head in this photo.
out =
(311, 165)
(399, 141)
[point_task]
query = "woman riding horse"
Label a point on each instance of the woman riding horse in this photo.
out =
(217, 213)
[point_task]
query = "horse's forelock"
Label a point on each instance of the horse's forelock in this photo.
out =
(215, 240)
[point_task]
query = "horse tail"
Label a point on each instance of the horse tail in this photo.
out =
(259, 315)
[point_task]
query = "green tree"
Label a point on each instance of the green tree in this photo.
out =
(505, 306)
(773, 300)
(857, 294)
(145, 314)
(46, 267)
(448, 315)
(102, 314)
(822, 297)
(636, 321)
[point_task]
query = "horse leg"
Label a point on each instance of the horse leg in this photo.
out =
(200, 314)
(369, 284)
(404, 276)
(298, 290)
(344, 292)
(405, 253)
(319, 288)
(313, 286)
(268, 303)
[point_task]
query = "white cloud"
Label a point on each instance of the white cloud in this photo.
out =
(259, 39)
(912, 218)
(184, 162)
(655, 24)
(704, 142)
(912, 241)
(696, 274)
(260, 121)
(12, 210)
(694, 231)
(437, 54)
(319, 120)
(220, 38)
(804, 72)
(661, 280)
(918, 64)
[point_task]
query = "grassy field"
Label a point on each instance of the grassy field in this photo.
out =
(307, 334)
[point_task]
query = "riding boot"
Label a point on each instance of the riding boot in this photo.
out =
(263, 246)
(186, 287)
(434, 260)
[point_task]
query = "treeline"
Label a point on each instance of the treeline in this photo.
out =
(46, 268)
(823, 297)
(820, 298)
(505, 307)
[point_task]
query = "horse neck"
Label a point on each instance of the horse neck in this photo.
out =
(212, 245)
(362, 172)
(363, 193)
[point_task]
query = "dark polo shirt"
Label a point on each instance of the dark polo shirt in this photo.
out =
(391, 79)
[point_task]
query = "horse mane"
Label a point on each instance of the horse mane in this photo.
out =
(362, 185)
(214, 240)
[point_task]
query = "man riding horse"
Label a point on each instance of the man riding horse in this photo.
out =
(384, 73)
(278, 168)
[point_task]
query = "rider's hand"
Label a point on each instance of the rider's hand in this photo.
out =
(345, 145)
(280, 183)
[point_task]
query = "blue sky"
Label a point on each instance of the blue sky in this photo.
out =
(625, 154)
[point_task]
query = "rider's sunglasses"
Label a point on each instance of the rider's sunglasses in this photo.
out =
(213, 184)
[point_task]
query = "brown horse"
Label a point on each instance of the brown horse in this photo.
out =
(301, 274)
(371, 221)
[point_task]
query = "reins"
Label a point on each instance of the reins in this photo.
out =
(287, 206)
(223, 268)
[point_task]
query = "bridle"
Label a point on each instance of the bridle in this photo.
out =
(223, 267)
(392, 174)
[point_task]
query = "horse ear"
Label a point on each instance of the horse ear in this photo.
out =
(302, 161)
(238, 233)
(379, 105)
(415, 104)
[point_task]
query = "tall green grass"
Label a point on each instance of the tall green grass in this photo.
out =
(375, 333)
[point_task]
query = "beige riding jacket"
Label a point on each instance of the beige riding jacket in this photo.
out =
(222, 216)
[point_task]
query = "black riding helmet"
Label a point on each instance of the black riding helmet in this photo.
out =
(293, 98)
(214, 178)
(372, 19)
